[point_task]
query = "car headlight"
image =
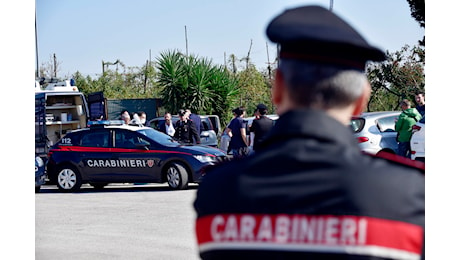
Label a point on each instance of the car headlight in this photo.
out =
(39, 161)
(204, 158)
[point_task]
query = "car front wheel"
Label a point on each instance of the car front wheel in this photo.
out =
(68, 179)
(176, 175)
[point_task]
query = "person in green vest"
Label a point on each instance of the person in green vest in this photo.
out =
(403, 126)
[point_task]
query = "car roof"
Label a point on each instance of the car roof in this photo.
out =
(377, 114)
(127, 127)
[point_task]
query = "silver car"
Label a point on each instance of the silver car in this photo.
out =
(375, 131)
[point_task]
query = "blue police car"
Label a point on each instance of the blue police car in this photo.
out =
(108, 152)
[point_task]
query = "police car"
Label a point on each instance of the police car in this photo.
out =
(110, 152)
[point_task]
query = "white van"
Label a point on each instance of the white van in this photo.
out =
(61, 108)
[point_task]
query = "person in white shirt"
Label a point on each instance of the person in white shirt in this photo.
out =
(168, 126)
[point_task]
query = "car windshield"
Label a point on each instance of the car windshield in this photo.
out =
(159, 137)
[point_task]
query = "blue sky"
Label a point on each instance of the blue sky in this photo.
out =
(84, 33)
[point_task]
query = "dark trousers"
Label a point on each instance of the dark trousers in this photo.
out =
(404, 149)
(241, 152)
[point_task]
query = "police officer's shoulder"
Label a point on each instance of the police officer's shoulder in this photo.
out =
(399, 160)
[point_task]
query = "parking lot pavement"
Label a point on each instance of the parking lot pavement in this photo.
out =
(119, 222)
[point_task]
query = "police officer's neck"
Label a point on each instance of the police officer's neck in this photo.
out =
(341, 114)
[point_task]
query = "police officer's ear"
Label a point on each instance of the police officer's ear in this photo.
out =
(361, 103)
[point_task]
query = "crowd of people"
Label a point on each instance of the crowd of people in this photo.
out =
(241, 139)
(186, 130)
(137, 118)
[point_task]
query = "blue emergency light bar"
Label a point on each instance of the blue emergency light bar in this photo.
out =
(105, 123)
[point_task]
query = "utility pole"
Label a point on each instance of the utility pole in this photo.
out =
(186, 42)
(145, 76)
(106, 64)
(331, 3)
(268, 62)
(249, 53)
(36, 46)
(55, 65)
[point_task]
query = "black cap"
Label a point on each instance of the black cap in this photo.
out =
(261, 106)
(317, 34)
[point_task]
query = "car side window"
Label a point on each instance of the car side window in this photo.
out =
(95, 139)
(156, 124)
(128, 140)
(70, 139)
(386, 124)
(206, 126)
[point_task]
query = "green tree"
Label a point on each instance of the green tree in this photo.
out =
(195, 83)
(417, 9)
(172, 78)
(399, 77)
(253, 89)
(133, 82)
(225, 87)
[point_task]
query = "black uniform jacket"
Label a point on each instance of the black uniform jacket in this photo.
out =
(260, 127)
(186, 132)
(309, 193)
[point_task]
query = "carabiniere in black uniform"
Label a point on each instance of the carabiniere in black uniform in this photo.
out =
(309, 192)
(294, 199)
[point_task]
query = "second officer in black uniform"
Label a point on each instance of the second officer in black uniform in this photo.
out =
(309, 192)
(186, 131)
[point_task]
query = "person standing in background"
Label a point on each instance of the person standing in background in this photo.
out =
(237, 132)
(195, 119)
(420, 99)
(185, 130)
(260, 126)
(168, 126)
(124, 115)
(408, 117)
(142, 116)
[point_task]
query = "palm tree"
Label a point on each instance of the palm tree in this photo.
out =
(195, 83)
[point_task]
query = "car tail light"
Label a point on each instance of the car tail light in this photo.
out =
(416, 128)
(362, 139)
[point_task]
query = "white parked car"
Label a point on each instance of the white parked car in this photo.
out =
(375, 131)
(417, 141)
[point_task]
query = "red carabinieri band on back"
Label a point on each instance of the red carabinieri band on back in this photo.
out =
(325, 234)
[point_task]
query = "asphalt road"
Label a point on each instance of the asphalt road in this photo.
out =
(118, 222)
